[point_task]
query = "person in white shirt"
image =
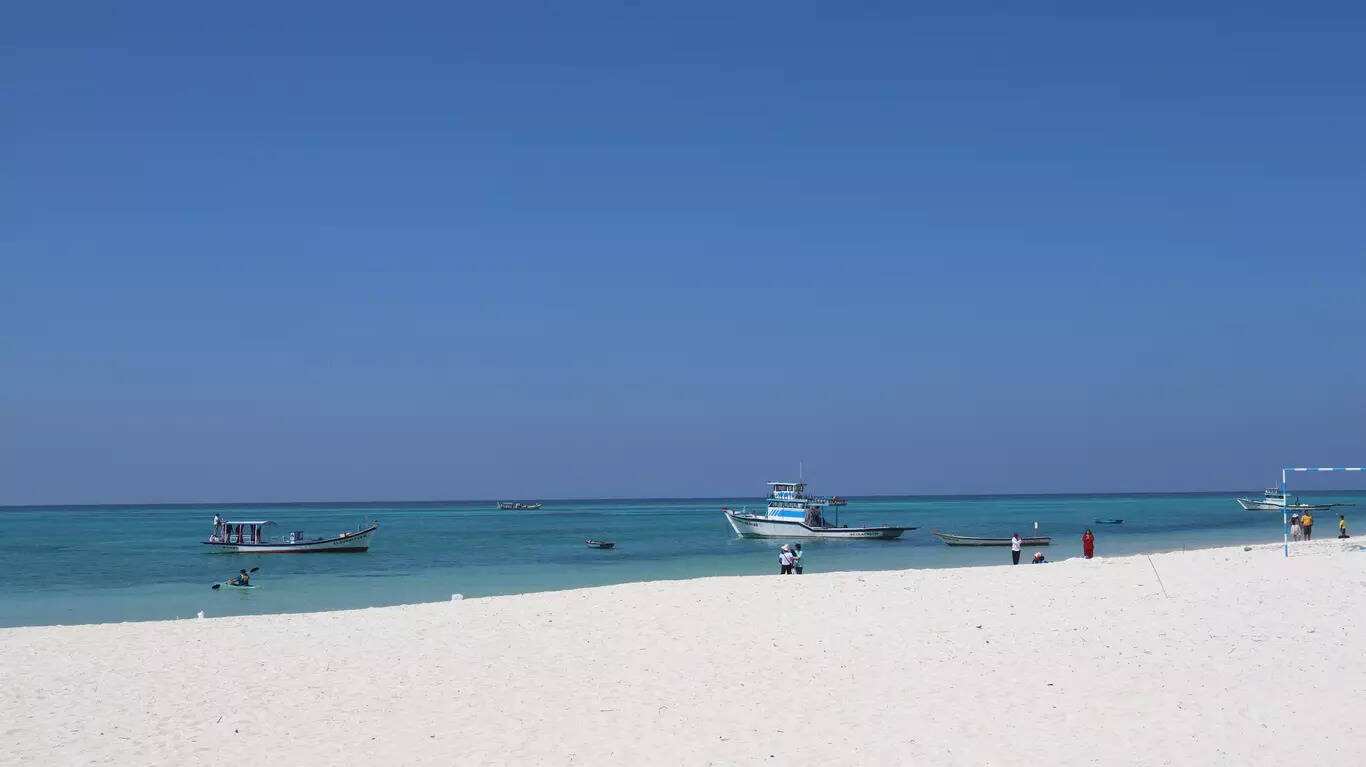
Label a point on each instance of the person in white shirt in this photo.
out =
(785, 560)
(1015, 548)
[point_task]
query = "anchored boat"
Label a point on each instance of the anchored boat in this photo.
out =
(967, 540)
(791, 514)
(1274, 500)
(244, 537)
(510, 506)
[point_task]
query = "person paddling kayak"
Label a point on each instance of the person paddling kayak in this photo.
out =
(241, 581)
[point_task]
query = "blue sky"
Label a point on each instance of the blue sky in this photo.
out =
(438, 251)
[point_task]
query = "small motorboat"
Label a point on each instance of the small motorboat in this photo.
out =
(514, 506)
(1109, 521)
(601, 544)
(967, 540)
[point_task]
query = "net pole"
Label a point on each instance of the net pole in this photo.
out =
(1285, 516)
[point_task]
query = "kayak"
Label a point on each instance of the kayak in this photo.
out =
(233, 584)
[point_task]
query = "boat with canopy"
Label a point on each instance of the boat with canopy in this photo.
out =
(248, 536)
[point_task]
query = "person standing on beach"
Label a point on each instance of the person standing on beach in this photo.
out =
(1342, 527)
(1088, 544)
(797, 559)
(785, 560)
(1307, 524)
(1295, 527)
(1015, 548)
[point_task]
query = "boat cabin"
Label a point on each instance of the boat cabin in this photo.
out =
(246, 531)
(788, 500)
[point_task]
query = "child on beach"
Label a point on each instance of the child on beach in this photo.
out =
(1295, 527)
(1039, 558)
(797, 559)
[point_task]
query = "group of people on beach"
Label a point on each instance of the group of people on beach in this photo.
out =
(1302, 526)
(1088, 548)
(790, 560)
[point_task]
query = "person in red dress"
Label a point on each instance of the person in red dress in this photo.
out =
(1088, 544)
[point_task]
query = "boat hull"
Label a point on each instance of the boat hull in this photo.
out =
(748, 526)
(1251, 505)
(965, 540)
(353, 543)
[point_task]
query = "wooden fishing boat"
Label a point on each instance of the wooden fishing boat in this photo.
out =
(246, 537)
(968, 540)
(602, 544)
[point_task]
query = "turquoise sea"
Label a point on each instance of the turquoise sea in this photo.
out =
(92, 564)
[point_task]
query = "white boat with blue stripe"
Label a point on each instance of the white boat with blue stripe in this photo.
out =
(791, 514)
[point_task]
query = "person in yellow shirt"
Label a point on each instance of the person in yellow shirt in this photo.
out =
(1307, 524)
(1342, 527)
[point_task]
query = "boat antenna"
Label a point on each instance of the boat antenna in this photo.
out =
(799, 471)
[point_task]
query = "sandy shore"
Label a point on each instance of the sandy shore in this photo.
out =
(1248, 658)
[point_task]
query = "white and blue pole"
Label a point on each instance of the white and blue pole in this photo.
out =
(1285, 516)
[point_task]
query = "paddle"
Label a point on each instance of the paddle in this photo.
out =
(216, 586)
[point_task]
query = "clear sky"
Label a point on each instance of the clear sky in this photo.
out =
(334, 251)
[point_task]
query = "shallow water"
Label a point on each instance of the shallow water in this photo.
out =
(98, 564)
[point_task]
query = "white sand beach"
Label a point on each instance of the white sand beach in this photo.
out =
(1248, 658)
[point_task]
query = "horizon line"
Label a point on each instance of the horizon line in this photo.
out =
(923, 496)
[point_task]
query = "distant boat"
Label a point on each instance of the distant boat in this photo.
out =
(1274, 500)
(1109, 521)
(247, 538)
(967, 540)
(791, 514)
(510, 506)
(601, 544)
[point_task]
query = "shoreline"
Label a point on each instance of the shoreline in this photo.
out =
(949, 665)
(682, 579)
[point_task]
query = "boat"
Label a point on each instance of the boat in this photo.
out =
(792, 514)
(1274, 500)
(510, 506)
(968, 540)
(246, 537)
(601, 544)
(1109, 521)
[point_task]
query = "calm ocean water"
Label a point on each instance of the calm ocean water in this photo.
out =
(100, 564)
